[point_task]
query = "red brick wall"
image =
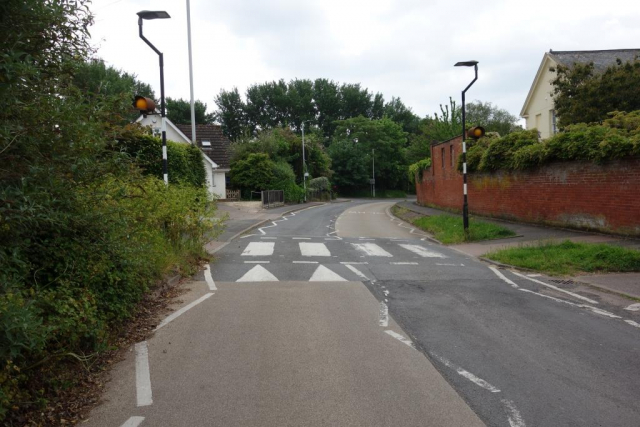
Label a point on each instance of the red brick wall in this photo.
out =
(574, 194)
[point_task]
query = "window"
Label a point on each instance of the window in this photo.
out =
(206, 143)
(451, 154)
(554, 122)
(442, 157)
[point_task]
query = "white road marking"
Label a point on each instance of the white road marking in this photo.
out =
(305, 262)
(269, 238)
(359, 273)
(133, 422)
(633, 307)
(451, 265)
(371, 249)
(466, 374)
(143, 377)
(323, 274)
(556, 288)
(503, 277)
(513, 415)
(384, 315)
(302, 238)
(400, 338)
(422, 251)
(353, 263)
(362, 238)
(258, 274)
(259, 249)
(588, 307)
(183, 310)
(313, 249)
(632, 323)
(209, 279)
(404, 263)
(534, 275)
(257, 262)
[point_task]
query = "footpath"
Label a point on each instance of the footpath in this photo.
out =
(627, 284)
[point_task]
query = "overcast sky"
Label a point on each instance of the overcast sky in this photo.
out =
(402, 48)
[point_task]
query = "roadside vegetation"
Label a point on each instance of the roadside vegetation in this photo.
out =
(568, 258)
(87, 226)
(449, 229)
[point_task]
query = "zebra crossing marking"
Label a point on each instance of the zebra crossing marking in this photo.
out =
(422, 251)
(259, 249)
(371, 249)
(313, 249)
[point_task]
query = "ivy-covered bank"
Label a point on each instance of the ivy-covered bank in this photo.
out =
(87, 225)
(617, 137)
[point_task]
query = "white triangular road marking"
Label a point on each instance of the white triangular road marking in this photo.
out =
(258, 274)
(323, 274)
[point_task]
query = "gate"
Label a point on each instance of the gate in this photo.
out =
(272, 198)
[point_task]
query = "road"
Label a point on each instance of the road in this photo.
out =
(342, 315)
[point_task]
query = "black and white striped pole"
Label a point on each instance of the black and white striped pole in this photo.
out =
(158, 14)
(465, 205)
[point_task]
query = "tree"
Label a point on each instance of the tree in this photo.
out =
(254, 173)
(301, 106)
(401, 114)
(385, 137)
(231, 114)
(492, 118)
(179, 112)
(326, 94)
(583, 96)
(350, 165)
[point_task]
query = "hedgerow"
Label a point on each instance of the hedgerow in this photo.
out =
(616, 138)
(84, 230)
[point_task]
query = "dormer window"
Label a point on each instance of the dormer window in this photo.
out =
(206, 143)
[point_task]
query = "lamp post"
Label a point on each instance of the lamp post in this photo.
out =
(193, 108)
(465, 205)
(373, 171)
(304, 167)
(148, 15)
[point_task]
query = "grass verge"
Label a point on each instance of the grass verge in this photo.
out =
(568, 258)
(449, 229)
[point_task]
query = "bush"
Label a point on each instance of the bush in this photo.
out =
(499, 153)
(185, 161)
(321, 183)
(416, 169)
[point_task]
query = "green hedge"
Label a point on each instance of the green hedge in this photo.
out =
(185, 161)
(416, 169)
(616, 138)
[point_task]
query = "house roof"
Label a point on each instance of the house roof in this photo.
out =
(219, 149)
(602, 59)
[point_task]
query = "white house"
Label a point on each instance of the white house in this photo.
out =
(211, 141)
(538, 108)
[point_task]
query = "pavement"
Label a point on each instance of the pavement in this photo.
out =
(627, 284)
(341, 314)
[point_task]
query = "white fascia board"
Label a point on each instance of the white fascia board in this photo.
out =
(546, 58)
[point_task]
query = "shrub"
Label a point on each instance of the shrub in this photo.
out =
(498, 154)
(416, 169)
(321, 183)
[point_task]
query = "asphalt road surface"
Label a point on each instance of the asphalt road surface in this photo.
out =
(341, 315)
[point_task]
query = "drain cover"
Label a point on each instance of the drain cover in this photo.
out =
(563, 282)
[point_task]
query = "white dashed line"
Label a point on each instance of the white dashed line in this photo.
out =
(633, 307)
(209, 279)
(632, 323)
(503, 277)
(358, 273)
(513, 415)
(143, 377)
(257, 262)
(400, 338)
(556, 288)
(468, 375)
(384, 315)
(133, 422)
(353, 263)
(404, 263)
(305, 262)
(183, 310)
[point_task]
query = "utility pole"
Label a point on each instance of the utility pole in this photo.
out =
(373, 171)
(304, 167)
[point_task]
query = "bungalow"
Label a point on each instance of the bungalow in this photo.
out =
(211, 141)
(538, 109)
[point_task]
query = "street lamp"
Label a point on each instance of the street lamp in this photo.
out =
(158, 14)
(465, 205)
(304, 167)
